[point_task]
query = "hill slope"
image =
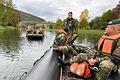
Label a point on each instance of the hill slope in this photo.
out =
(30, 19)
(25, 17)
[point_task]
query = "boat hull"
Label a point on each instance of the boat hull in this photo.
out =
(46, 68)
(35, 36)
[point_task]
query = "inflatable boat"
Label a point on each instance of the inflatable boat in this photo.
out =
(45, 68)
(34, 36)
(48, 68)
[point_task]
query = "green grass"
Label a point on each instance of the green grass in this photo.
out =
(1, 27)
(90, 31)
(7, 27)
(100, 32)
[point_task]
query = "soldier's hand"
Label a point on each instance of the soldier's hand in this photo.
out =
(74, 59)
(92, 61)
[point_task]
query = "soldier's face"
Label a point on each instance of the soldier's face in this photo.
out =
(69, 15)
(109, 29)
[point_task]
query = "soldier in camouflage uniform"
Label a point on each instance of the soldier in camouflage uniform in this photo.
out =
(70, 24)
(62, 43)
(107, 55)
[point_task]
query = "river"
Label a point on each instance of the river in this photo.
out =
(17, 53)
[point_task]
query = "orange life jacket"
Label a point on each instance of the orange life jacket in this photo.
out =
(82, 70)
(62, 31)
(105, 44)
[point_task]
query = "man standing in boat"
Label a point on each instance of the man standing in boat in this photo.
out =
(66, 36)
(70, 24)
(107, 54)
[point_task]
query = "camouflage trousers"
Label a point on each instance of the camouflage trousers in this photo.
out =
(105, 67)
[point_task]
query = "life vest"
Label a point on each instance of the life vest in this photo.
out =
(62, 31)
(82, 69)
(105, 44)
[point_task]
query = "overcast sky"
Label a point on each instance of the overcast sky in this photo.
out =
(50, 10)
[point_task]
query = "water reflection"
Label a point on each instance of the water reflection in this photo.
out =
(9, 42)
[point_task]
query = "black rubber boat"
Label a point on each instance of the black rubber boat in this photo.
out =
(47, 68)
(34, 36)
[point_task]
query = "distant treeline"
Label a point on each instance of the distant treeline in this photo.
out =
(97, 23)
(8, 15)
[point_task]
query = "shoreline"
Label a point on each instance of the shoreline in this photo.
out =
(81, 31)
(7, 27)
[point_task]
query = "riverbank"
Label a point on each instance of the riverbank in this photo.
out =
(100, 32)
(7, 27)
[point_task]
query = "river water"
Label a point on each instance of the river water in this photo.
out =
(17, 54)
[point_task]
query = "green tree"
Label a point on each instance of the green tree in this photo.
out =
(3, 18)
(95, 23)
(83, 24)
(58, 23)
(101, 22)
(83, 21)
(116, 12)
(1, 7)
(8, 16)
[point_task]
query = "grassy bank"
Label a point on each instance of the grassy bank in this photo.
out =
(91, 31)
(7, 27)
(100, 32)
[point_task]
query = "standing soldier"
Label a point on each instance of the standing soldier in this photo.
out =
(66, 36)
(70, 24)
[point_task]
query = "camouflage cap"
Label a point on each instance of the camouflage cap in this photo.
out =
(114, 22)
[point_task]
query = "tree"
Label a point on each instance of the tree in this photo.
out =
(84, 15)
(83, 21)
(8, 15)
(95, 23)
(116, 12)
(2, 8)
(10, 4)
(83, 24)
(3, 19)
(58, 23)
(101, 22)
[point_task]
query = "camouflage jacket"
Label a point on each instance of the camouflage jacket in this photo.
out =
(60, 40)
(70, 25)
(114, 57)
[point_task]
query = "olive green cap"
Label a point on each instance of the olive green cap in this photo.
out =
(114, 22)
